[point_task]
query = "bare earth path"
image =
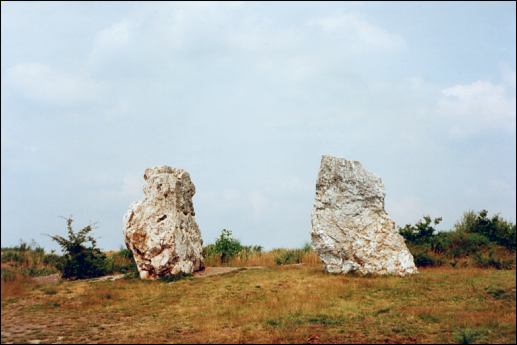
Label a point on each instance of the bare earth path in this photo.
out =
(207, 272)
(213, 271)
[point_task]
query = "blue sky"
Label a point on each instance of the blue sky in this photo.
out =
(247, 97)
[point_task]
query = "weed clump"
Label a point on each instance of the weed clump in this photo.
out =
(289, 257)
(175, 277)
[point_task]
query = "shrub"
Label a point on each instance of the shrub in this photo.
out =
(81, 261)
(495, 229)
(422, 259)
(226, 246)
(89, 263)
(474, 233)
(422, 231)
(463, 244)
(441, 242)
(467, 222)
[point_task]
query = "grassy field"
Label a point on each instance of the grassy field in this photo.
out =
(283, 304)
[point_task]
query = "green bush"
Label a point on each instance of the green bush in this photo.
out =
(495, 229)
(89, 263)
(421, 232)
(81, 261)
(464, 243)
(423, 259)
(457, 243)
(226, 246)
(467, 222)
(441, 242)
(473, 234)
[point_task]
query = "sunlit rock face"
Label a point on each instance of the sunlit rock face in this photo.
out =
(351, 231)
(161, 230)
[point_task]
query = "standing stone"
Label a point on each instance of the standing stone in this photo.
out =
(351, 231)
(161, 230)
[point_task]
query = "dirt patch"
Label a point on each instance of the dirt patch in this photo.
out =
(207, 272)
(55, 278)
(110, 278)
(50, 279)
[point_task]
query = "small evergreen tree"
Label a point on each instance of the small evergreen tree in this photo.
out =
(81, 261)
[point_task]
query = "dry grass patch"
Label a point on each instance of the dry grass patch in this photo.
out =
(276, 304)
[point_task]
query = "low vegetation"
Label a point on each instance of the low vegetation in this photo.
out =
(29, 260)
(81, 260)
(476, 240)
(467, 280)
(278, 304)
(23, 262)
(228, 251)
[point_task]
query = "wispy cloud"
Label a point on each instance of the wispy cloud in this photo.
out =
(357, 33)
(479, 105)
(41, 83)
(247, 97)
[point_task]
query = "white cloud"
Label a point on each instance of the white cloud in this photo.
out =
(41, 83)
(357, 32)
(480, 105)
(111, 40)
(170, 37)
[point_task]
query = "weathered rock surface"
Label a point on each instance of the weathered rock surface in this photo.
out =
(161, 230)
(351, 231)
